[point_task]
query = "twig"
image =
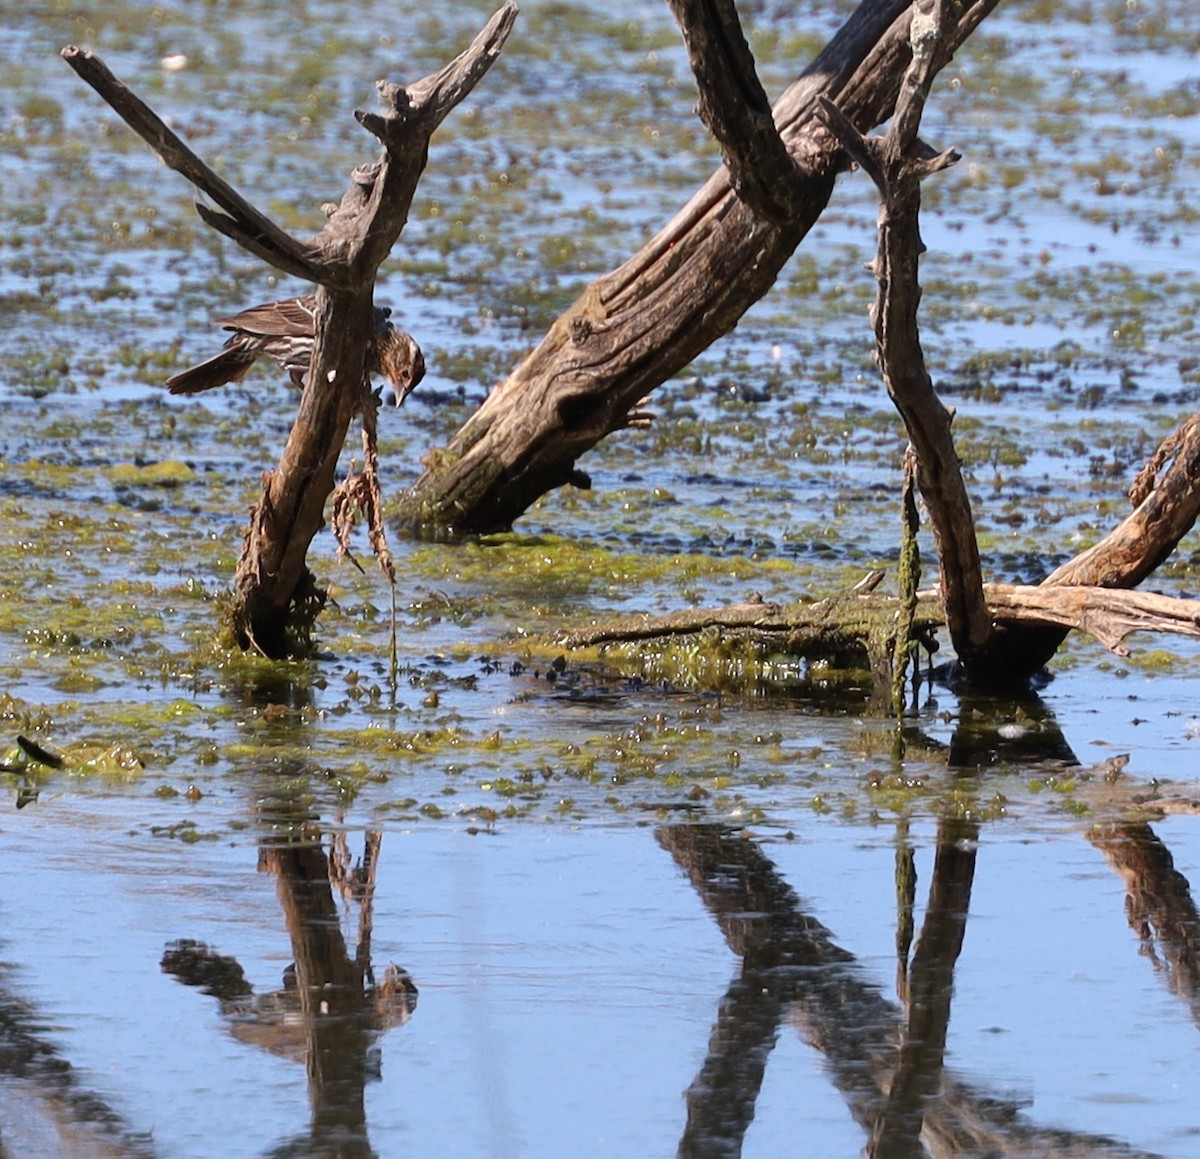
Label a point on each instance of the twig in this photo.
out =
(244, 224)
(910, 581)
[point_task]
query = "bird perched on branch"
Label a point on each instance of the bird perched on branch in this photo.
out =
(284, 332)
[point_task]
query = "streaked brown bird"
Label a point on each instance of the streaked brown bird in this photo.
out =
(283, 331)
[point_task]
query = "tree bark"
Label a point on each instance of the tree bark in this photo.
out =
(898, 163)
(634, 328)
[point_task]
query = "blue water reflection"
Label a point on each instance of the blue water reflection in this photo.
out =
(584, 991)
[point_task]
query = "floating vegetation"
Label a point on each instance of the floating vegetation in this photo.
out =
(1058, 305)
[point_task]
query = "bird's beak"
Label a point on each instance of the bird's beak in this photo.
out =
(404, 384)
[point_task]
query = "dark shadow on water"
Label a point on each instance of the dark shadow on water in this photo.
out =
(885, 1060)
(330, 1010)
(993, 729)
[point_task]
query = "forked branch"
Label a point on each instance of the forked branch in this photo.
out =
(276, 594)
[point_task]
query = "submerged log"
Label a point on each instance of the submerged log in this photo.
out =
(862, 622)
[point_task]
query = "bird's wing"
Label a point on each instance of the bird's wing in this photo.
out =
(293, 317)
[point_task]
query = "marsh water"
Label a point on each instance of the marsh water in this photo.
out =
(586, 904)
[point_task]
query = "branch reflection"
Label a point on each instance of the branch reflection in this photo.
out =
(1158, 904)
(929, 984)
(887, 1063)
(330, 1010)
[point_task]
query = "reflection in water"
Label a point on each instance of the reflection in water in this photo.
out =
(887, 1063)
(45, 1109)
(1158, 903)
(330, 1009)
(929, 985)
(1017, 728)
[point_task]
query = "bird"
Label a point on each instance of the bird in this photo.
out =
(284, 332)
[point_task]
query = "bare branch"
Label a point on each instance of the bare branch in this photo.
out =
(432, 98)
(1108, 614)
(897, 164)
(236, 232)
(245, 224)
(852, 618)
(1165, 514)
(634, 327)
(734, 106)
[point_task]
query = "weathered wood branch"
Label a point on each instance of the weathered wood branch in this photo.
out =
(241, 221)
(988, 647)
(358, 236)
(1107, 614)
(636, 326)
(853, 620)
(734, 107)
(1165, 513)
(381, 194)
(1089, 594)
(277, 597)
(898, 163)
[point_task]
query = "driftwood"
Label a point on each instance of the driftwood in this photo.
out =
(276, 594)
(634, 328)
(863, 621)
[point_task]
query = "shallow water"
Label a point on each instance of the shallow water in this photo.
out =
(578, 992)
(569, 981)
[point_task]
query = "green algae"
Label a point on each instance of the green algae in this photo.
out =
(772, 468)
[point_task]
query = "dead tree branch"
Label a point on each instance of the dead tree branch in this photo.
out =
(1165, 513)
(898, 163)
(635, 327)
(735, 109)
(855, 621)
(248, 226)
(277, 596)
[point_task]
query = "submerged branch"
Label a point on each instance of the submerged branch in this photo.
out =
(851, 620)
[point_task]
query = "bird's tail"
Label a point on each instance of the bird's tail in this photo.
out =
(224, 366)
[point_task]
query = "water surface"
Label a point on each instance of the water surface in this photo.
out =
(603, 911)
